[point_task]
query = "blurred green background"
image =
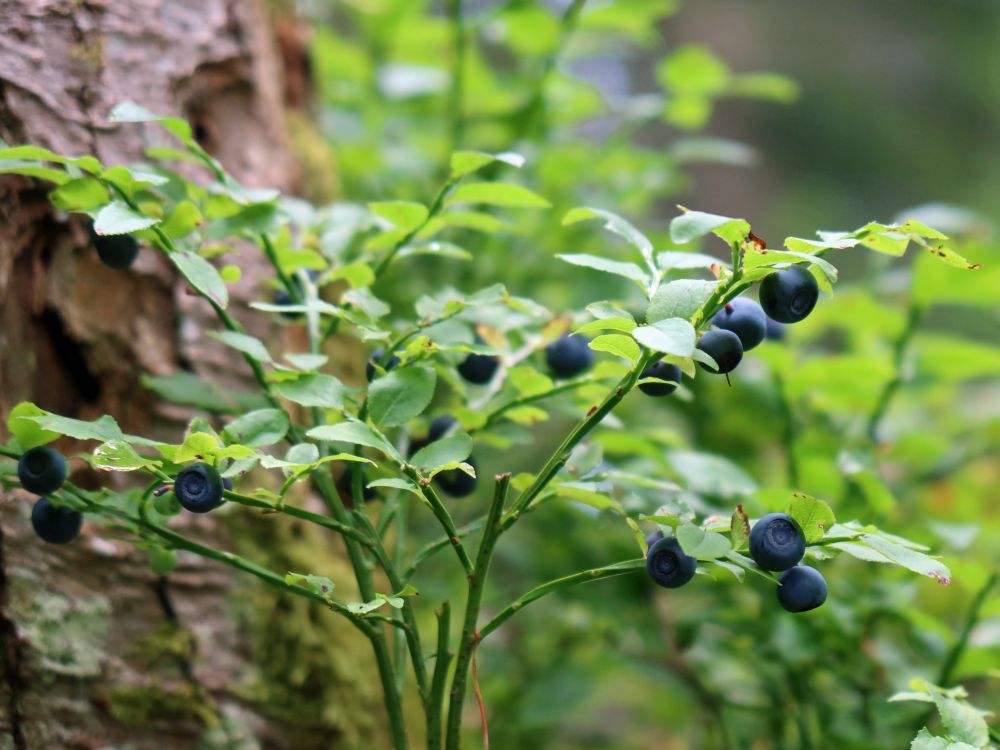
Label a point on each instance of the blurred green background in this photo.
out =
(888, 108)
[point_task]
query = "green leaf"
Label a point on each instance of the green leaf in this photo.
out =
(626, 325)
(29, 433)
(708, 474)
(671, 336)
(467, 162)
(629, 270)
(242, 342)
(613, 223)
(404, 215)
(760, 85)
(119, 218)
(701, 544)
(80, 194)
(317, 584)
(679, 299)
(695, 224)
(202, 275)
(401, 395)
(306, 361)
(962, 722)
(313, 389)
(397, 484)
(926, 741)
(693, 69)
(498, 194)
(182, 220)
(739, 527)
(813, 515)
(354, 433)
(117, 455)
(132, 112)
(104, 428)
(906, 557)
(670, 260)
(617, 344)
(442, 453)
(258, 428)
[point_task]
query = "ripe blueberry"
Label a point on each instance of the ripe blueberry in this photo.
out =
(115, 250)
(663, 371)
(745, 318)
(653, 537)
(377, 356)
(479, 368)
(789, 295)
(668, 565)
(456, 482)
(198, 488)
(569, 356)
(777, 542)
(775, 330)
(227, 483)
(54, 525)
(724, 347)
(802, 589)
(41, 470)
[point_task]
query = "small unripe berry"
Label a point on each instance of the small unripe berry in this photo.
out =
(41, 470)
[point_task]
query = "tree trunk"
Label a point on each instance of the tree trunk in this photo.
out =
(95, 650)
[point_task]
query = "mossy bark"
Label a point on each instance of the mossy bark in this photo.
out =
(95, 650)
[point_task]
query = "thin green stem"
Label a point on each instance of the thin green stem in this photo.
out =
(913, 318)
(305, 515)
(439, 544)
(594, 574)
(971, 618)
(789, 431)
(494, 416)
(435, 704)
(442, 515)
(408, 237)
(293, 291)
(456, 105)
(470, 634)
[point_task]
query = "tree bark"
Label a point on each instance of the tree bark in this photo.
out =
(95, 650)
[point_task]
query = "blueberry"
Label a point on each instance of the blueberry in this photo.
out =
(777, 542)
(724, 347)
(115, 250)
(789, 295)
(775, 330)
(663, 371)
(55, 525)
(439, 427)
(802, 589)
(456, 482)
(653, 537)
(198, 488)
(282, 296)
(745, 318)
(479, 368)
(41, 470)
(377, 356)
(227, 483)
(569, 356)
(668, 565)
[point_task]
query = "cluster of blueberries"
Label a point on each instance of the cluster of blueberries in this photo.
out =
(776, 544)
(786, 296)
(42, 470)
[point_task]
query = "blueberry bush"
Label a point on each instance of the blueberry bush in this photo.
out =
(446, 446)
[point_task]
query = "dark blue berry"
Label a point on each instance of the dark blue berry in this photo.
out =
(227, 483)
(41, 470)
(439, 427)
(668, 565)
(378, 356)
(479, 368)
(722, 346)
(789, 295)
(198, 488)
(745, 318)
(568, 356)
(115, 250)
(775, 330)
(456, 482)
(661, 371)
(653, 537)
(55, 525)
(777, 542)
(801, 589)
